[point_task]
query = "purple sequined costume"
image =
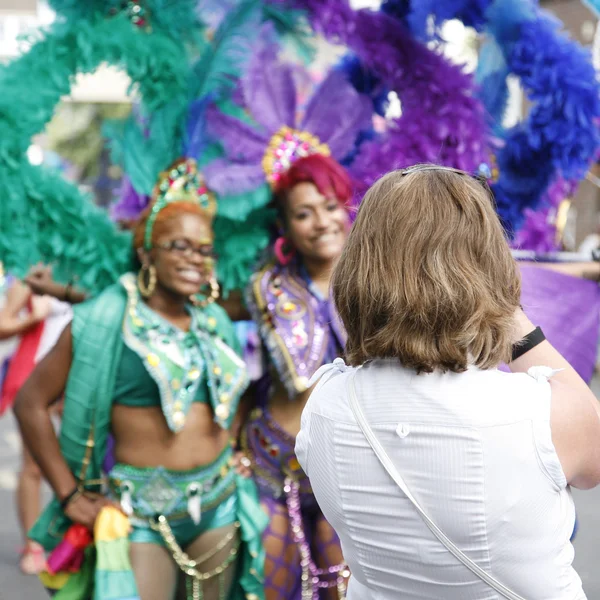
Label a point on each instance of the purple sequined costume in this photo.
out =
(300, 332)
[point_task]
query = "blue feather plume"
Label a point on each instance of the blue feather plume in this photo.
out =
(490, 77)
(365, 82)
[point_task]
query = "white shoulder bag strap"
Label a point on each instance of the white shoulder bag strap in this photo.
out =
(387, 463)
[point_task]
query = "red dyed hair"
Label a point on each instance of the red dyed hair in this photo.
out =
(328, 176)
(167, 213)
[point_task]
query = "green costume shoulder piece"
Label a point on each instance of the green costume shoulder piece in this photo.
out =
(96, 332)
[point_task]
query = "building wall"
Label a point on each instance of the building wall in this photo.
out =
(19, 6)
(580, 22)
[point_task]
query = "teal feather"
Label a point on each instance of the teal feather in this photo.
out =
(237, 208)
(222, 63)
(238, 245)
(46, 218)
(292, 27)
(176, 18)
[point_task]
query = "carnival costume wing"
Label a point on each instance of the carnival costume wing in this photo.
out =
(45, 218)
(559, 136)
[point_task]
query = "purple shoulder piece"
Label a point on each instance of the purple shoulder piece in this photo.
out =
(291, 323)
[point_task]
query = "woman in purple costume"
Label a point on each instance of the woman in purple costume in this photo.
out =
(289, 300)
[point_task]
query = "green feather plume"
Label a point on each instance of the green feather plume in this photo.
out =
(44, 217)
(238, 245)
(175, 18)
(223, 61)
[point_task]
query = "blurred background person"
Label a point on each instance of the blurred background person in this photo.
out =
(37, 320)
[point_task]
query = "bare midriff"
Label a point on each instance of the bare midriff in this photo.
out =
(143, 439)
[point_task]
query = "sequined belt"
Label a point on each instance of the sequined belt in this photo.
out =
(145, 493)
(271, 450)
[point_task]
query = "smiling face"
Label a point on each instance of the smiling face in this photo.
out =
(316, 226)
(181, 244)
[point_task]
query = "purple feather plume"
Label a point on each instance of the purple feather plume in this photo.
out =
(538, 231)
(442, 121)
(269, 90)
(337, 113)
(227, 178)
(130, 203)
(241, 141)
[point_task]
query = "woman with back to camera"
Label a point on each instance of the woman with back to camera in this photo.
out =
(152, 361)
(429, 295)
(289, 300)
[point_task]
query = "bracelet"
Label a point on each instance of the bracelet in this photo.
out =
(73, 495)
(530, 341)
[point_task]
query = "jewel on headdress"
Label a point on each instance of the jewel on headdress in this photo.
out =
(285, 148)
(182, 183)
(135, 11)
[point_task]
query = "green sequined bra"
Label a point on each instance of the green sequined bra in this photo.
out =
(179, 361)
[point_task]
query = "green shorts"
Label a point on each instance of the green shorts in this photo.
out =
(147, 493)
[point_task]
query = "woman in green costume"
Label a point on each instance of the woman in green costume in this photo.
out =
(155, 363)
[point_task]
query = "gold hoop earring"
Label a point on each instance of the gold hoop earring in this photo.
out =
(215, 292)
(147, 289)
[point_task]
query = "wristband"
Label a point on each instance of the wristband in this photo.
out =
(70, 497)
(530, 341)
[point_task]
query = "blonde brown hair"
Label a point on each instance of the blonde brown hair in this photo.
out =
(426, 275)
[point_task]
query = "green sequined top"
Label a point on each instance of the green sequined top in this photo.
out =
(135, 387)
(179, 367)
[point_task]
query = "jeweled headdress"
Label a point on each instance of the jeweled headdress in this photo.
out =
(254, 153)
(285, 148)
(181, 183)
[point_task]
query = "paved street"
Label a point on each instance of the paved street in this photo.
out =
(14, 586)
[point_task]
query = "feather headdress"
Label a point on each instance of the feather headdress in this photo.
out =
(261, 150)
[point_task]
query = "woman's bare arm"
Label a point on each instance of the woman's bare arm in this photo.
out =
(46, 383)
(39, 279)
(44, 386)
(575, 412)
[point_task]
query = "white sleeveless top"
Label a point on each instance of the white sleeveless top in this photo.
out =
(475, 448)
(60, 316)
